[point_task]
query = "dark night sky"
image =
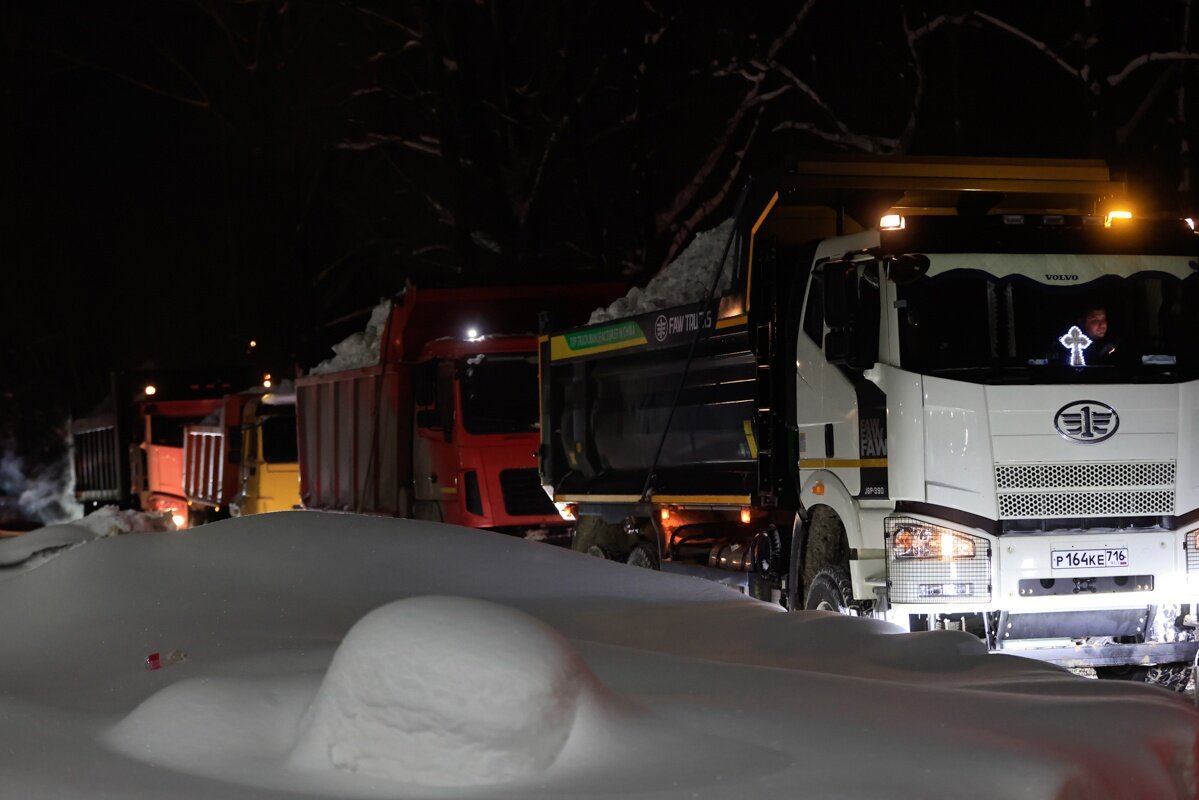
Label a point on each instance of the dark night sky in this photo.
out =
(183, 175)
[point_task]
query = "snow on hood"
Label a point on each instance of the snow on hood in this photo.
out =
(358, 349)
(300, 656)
(687, 279)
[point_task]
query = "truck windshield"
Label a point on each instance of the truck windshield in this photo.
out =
(279, 439)
(499, 393)
(972, 325)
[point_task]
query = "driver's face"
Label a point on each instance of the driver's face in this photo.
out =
(1096, 324)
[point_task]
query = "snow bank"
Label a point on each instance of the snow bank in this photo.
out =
(104, 521)
(688, 689)
(358, 349)
(445, 691)
(687, 279)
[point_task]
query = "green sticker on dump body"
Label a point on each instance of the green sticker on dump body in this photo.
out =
(610, 334)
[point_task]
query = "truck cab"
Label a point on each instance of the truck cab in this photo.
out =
(1003, 407)
(268, 470)
(476, 433)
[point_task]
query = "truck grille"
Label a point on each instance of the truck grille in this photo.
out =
(523, 495)
(1028, 491)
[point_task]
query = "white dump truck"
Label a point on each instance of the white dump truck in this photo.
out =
(956, 393)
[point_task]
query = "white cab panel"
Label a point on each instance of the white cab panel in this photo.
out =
(958, 462)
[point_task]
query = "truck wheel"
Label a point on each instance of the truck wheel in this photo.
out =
(643, 555)
(1173, 677)
(829, 590)
(599, 552)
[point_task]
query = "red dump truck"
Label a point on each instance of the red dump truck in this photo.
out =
(445, 426)
(129, 450)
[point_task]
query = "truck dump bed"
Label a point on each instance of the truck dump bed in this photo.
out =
(211, 453)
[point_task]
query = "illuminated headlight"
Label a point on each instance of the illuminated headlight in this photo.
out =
(930, 541)
(930, 564)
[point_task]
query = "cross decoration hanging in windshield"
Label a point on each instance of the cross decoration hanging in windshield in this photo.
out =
(1076, 341)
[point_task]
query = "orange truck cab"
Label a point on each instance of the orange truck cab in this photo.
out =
(158, 474)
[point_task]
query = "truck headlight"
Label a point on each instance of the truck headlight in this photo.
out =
(933, 565)
(931, 541)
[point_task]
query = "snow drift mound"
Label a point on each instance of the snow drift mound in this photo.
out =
(445, 691)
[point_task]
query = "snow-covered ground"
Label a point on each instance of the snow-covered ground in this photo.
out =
(338, 656)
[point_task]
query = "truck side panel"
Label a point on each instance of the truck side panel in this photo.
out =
(354, 434)
(607, 411)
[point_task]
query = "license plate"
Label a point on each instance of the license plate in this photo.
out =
(1089, 559)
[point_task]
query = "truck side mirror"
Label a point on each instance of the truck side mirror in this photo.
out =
(840, 310)
(907, 268)
(424, 380)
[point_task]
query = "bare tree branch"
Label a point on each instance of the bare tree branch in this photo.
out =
(683, 234)
(203, 102)
(424, 144)
(1012, 30)
(1144, 60)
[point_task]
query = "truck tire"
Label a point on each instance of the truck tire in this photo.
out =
(829, 590)
(1173, 677)
(599, 552)
(643, 555)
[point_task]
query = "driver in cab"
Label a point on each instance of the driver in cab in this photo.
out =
(1089, 343)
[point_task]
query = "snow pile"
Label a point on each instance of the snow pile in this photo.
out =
(296, 658)
(687, 279)
(445, 691)
(104, 521)
(111, 521)
(358, 349)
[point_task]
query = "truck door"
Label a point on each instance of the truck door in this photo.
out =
(434, 458)
(838, 340)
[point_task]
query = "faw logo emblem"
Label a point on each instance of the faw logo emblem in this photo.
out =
(1086, 421)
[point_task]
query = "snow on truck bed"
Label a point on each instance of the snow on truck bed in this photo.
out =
(686, 279)
(337, 656)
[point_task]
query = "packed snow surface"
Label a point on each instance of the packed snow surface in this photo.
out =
(687, 279)
(361, 349)
(337, 656)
